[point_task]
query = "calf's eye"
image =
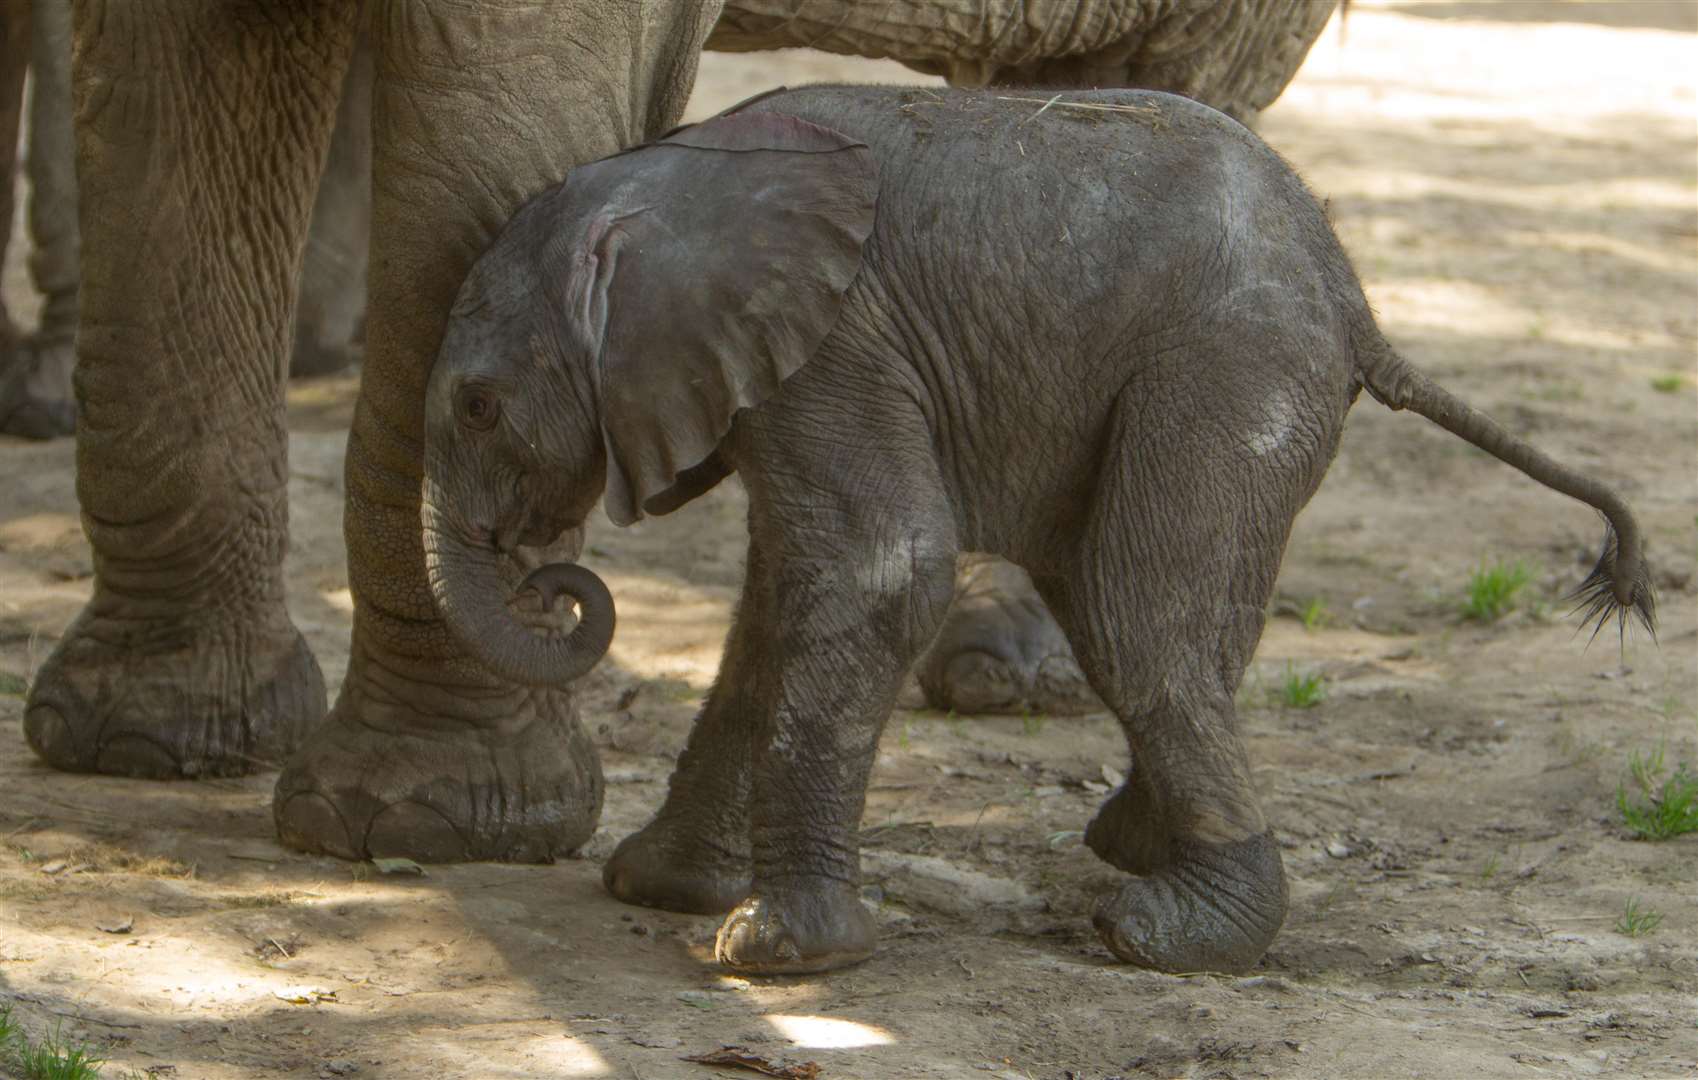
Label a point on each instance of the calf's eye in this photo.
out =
(478, 408)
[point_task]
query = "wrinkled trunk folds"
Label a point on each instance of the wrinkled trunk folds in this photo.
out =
(466, 581)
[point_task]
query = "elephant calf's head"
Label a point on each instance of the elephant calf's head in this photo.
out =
(607, 339)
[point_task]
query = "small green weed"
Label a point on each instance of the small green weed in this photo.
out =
(902, 736)
(52, 1058)
(957, 726)
(15, 685)
(1301, 690)
(1636, 921)
(671, 689)
(1658, 808)
(1667, 384)
(1031, 723)
(1575, 748)
(1492, 590)
(1315, 614)
(268, 899)
(1490, 870)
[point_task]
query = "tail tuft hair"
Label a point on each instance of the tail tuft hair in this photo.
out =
(1597, 599)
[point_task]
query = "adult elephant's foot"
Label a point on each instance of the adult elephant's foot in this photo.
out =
(131, 696)
(808, 926)
(36, 400)
(1000, 650)
(378, 779)
(1210, 908)
(680, 865)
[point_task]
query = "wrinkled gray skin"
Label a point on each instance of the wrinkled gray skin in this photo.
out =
(185, 661)
(1236, 56)
(36, 398)
(876, 299)
(999, 649)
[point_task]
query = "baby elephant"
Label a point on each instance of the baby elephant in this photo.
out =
(1112, 339)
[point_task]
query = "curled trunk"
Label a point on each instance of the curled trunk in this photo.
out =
(465, 579)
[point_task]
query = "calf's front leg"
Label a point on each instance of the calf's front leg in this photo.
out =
(855, 578)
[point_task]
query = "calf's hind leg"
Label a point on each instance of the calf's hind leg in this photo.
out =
(1164, 611)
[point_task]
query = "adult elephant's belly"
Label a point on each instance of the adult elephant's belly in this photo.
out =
(1236, 55)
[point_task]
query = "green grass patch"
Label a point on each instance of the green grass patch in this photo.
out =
(53, 1057)
(1492, 590)
(1636, 921)
(1315, 614)
(1301, 690)
(269, 899)
(1658, 806)
(15, 685)
(1031, 723)
(957, 726)
(1667, 384)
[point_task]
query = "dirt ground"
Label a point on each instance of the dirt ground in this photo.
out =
(1517, 184)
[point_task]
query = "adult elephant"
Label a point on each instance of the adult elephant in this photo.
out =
(36, 398)
(1236, 55)
(201, 129)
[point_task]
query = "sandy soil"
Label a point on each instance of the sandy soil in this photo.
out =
(1517, 184)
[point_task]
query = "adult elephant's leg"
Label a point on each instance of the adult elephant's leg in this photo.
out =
(20, 412)
(201, 127)
(55, 263)
(43, 404)
(475, 108)
(333, 279)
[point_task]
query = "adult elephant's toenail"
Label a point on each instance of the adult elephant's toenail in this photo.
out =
(50, 736)
(416, 831)
(308, 821)
(139, 756)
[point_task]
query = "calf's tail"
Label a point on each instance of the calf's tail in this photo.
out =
(1621, 582)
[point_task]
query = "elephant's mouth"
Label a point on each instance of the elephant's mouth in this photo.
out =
(534, 531)
(538, 522)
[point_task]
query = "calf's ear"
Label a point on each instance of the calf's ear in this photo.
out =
(709, 268)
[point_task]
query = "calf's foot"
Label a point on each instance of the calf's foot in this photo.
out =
(1212, 907)
(173, 699)
(800, 927)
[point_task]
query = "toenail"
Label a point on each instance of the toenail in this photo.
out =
(49, 736)
(310, 822)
